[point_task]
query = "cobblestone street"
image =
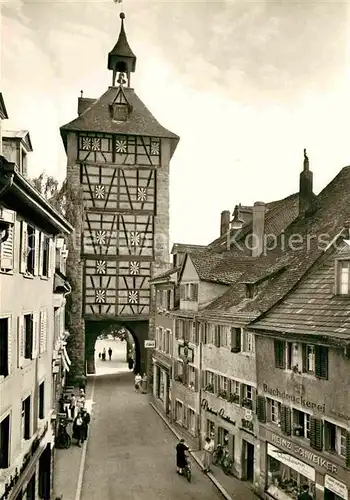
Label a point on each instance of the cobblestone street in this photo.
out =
(131, 452)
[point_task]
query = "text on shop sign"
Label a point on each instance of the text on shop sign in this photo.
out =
(302, 452)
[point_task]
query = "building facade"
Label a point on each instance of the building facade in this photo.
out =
(303, 370)
(118, 159)
(29, 227)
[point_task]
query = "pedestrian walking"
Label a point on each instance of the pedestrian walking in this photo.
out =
(110, 353)
(144, 384)
(86, 421)
(138, 380)
(73, 404)
(208, 454)
(104, 354)
(66, 406)
(99, 355)
(78, 429)
(130, 363)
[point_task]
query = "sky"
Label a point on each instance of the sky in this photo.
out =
(247, 85)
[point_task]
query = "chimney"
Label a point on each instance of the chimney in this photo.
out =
(258, 228)
(305, 187)
(225, 222)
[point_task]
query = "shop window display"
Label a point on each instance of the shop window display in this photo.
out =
(285, 483)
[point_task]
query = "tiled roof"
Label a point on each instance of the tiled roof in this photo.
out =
(278, 215)
(97, 118)
(327, 216)
(312, 307)
(166, 274)
(184, 248)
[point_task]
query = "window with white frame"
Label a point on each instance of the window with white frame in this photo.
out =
(301, 424)
(335, 438)
(191, 421)
(249, 342)
(235, 387)
(343, 277)
(167, 334)
(191, 377)
(209, 381)
(179, 411)
(223, 333)
(247, 400)
(223, 386)
(274, 411)
(294, 358)
(309, 358)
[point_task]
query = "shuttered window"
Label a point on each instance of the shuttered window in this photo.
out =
(28, 336)
(347, 458)
(321, 362)
(43, 332)
(286, 420)
(316, 433)
(6, 255)
(5, 347)
(236, 344)
(36, 336)
(261, 408)
(194, 295)
(280, 358)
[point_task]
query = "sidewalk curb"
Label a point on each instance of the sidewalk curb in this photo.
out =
(208, 474)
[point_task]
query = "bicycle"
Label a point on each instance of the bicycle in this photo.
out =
(63, 439)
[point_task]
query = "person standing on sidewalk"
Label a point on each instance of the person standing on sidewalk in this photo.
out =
(138, 380)
(73, 404)
(86, 420)
(78, 429)
(208, 454)
(110, 353)
(144, 384)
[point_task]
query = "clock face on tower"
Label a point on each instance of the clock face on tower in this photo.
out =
(118, 177)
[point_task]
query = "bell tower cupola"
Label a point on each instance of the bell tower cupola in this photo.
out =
(121, 59)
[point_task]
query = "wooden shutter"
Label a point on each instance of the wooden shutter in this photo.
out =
(35, 337)
(196, 380)
(216, 383)
(24, 247)
(217, 335)
(177, 328)
(304, 358)
(253, 398)
(197, 327)
(347, 458)
(182, 292)
(316, 433)
(9, 345)
(7, 251)
(21, 340)
(204, 329)
(286, 420)
(42, 242)
(36, 252)
(50, 257)
(261, 408)
(203, 376)
(321, 361)
(280, 359)
(195, 291)
(236, 339)
(43, 332)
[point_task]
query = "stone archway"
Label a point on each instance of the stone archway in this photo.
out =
(138, 331)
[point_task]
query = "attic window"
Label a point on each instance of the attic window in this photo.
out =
(343, 277)
(250, 290)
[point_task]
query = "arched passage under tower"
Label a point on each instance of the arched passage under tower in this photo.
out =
(138, 331)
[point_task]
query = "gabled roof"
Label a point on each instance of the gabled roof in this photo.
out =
(312, 307)
(279, 214)
(327, 216)
(3, 110)
(97, 118)
(19, 135)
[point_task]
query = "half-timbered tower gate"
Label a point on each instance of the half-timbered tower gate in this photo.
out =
(118, 167)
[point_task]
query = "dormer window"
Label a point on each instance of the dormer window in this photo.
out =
(189, 291)
(343, 277)
(120, 112)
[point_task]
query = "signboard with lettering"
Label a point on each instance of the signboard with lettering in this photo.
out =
(292, 462)
(336, 487)
(303, 453)
(150, 344)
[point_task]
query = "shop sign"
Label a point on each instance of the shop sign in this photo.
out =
(336, 487)
(300, 400)
(292, 462)
(303, 453)
(150, 344)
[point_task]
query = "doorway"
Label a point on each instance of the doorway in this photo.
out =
(329, 495)
(248, 461)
